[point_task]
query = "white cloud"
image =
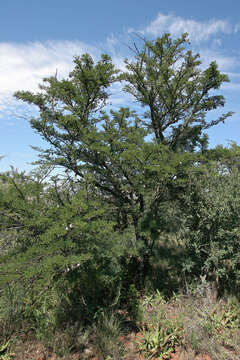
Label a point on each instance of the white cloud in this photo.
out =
(225, 63)
(236, 28)
(198, 31)
(206, 37)
(234, 75)
(217, 43)
(22, 66)
(231, 86)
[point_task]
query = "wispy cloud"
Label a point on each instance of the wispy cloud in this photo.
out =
(207, 37)
(231, 87)
(197, 30)
(226, 63)
(22, 66)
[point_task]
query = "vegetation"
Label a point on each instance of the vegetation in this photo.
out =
(139, 229)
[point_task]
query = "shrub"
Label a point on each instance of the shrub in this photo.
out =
(213, 227)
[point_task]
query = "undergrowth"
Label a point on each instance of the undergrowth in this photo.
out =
(190, 323)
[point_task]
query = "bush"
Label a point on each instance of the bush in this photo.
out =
(63, 264)
(213, 228)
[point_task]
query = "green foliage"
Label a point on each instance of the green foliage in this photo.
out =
(11, 309)
(166, 79)
(63, 263)
(161, 341)
(4, 353)
(132, 303)
(130, 161)
(161, 335)
(213, 225)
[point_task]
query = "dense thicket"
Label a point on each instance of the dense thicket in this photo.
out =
(88, 238)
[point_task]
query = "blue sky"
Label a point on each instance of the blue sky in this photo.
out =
(38, 37)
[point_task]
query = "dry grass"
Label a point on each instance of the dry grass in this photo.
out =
(193, 326)
(210, 326)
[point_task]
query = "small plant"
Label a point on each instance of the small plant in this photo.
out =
(4, 351)
(193, 339)
(153, 300)
(133, 306)
(153, 310)
(72, 338)
(225, 321)
(162, 340)
(107, 330)
(161, 335)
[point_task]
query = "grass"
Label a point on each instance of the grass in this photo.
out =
(188, 324)
(107, 331)
(210, 326)
(194, 323)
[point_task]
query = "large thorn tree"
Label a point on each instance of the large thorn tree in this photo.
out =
(134, 160)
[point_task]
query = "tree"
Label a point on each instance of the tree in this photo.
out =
(134, 162)
(58, 252)
(166, 79)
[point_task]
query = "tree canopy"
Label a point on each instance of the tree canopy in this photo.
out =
(130, 157)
